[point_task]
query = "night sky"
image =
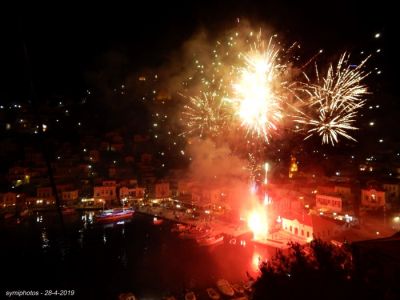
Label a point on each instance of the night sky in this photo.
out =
(65, 42)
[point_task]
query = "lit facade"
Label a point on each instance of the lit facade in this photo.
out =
(299, 227)
(68, 196)
(8, 199)
(44, 192)
(328, 203)
(372, 198)
(107, 193)
(162, 190)
(125, 192)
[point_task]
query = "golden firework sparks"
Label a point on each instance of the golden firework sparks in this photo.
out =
(204, 115)
(256, 97)
(334, 101)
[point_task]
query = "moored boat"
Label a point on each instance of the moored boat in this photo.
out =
(213, 294)
(225, 288)
(24, 213)
(210, 240)
(248, 286)
(157, 221)
(112, 215)
(179, 228)
(126, 296)
(238, 288)
(193, 234)
(169, 298)
(8, 216)
(68, 210)
(190, 296)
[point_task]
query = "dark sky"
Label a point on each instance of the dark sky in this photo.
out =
(64, 41)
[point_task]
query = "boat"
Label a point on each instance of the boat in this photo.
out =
(225, 288)
(248, 286)
(8, 216)
(68, 210)
(213, 294)
(179, 228)
(210, 240)
(24, 213)
(112, 215)
(157, 221)
(190, 296)
(169, 298)
(193, 234)
(126, 296)
(238, 288)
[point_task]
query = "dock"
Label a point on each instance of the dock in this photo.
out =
(217, 226)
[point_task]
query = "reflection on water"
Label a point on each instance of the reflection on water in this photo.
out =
(39, 217)
(87, 218)
(104, 238)
(131, 255)
(80, 238)
(45, 241)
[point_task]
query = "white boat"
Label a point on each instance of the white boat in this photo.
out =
(213, 294)
(157, 221)
(126, 296)
(248, 286)
(225, 288)
(210, 240)
(238, 288)
(179, 228)
(193, 234)
(190, 296)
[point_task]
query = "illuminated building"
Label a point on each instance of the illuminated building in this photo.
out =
(107, 193)
(69, 196)
(392, 190)
(8, 199)
(126, 192)
(328, 203)
(299, 226)
(44, 192)
(162, 190)
(372, 198)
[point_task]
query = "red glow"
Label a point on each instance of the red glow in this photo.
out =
(257, 222)
(256, 261)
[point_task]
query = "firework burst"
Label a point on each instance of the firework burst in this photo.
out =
(256, 97)
(334, 101)
(204, 115)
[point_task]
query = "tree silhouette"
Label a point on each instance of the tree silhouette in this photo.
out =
(316, 271)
